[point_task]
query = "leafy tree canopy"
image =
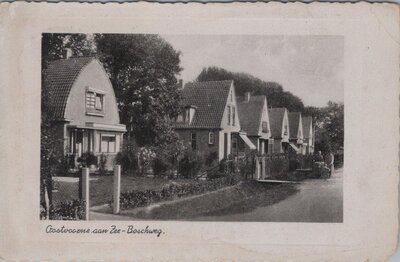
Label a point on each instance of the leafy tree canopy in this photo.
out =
(143, 70)
(329, 127)
(277, 97)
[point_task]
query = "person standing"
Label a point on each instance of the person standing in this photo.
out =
(319, 157)
(330, 159)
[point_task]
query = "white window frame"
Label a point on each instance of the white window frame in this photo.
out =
(92, 104)
(108, 144)
(211, 138)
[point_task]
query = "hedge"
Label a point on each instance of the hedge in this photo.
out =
(136, 198)
(66, 210)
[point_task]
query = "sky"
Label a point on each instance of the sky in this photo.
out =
(310, 67)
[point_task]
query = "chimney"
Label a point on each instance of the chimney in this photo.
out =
(247, 96)
(67, 53)
(180, 84)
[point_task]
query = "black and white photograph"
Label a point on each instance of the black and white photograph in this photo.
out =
(192, 127)
(199, 132)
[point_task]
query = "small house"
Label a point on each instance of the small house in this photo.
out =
(279, 122)
(84, 109)
(209, 122)
(296, 132)
(308, 135)
(254, 120)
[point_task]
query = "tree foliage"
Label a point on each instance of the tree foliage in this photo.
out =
(277, 97)
(329, 127)
(143, 70)
(54, 46)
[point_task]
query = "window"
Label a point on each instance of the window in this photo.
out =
(210, 138)
(180, 118)
(229, 115)
(265, 127)
(194, 141)
(285, 132)
(94, 101)
(107, 144)
(234, 144)
(187, 115)
(90, 100)
(233, 115)
(99, 102)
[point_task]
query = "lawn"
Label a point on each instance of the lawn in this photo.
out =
(101, 187)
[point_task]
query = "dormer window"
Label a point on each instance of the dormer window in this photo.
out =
(265, 127)
(189, 113)
(94, 102)
(285, 132)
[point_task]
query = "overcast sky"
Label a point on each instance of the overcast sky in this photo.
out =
(310, 67)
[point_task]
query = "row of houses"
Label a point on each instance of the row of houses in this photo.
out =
(214, 120)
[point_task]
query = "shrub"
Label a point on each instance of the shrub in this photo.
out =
(246, 167)
(66, 210)
(211, 159)
(102, 164)
(137, 198)
(87, 159)
(294, 163)
(127, 157)
(191, 164)
(166, 160)
(278, 164)
(162, 164)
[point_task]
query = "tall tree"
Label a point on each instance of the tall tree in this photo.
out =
(330, 127)
(54, 46)
(276, 96)
(143, 70)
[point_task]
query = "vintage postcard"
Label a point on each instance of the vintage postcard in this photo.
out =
(189, 132)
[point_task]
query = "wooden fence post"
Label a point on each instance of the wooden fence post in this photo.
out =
(85, 191)
(117, 188)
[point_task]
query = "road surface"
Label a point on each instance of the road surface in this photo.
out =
(318, 200)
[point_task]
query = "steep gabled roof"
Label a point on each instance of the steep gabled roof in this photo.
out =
(294, 120)
(210, 99)
(60, 75)
(276, 116)
(250, 114)
(307, 122)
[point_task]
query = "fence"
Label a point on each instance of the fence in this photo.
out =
(68, 198)
(271, 165)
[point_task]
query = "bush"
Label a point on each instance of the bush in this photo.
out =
(137, 198)
(246, 167)
(66, 210)
(294, 163)
(127, 157)
(277, 164)
(211, 159)
(191, 164)
(300, 161)
(102, 164)
(87, 159)
(162, 164)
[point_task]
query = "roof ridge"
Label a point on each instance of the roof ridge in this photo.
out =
(74, 57)
(211, 81)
